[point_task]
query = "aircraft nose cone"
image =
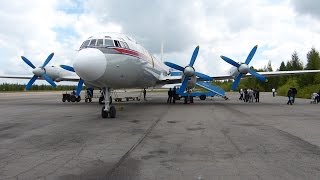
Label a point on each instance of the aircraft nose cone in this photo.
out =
(90, 64)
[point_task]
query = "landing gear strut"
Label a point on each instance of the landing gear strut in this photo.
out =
(107, 110)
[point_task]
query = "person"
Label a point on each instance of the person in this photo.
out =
(257, 94)
(289, 94)
(246, 95)
(174, 94)
(314, 98)
(294, 93)
(250, 95)
(144, 93)
(241, 94)
(89, 93)
(273, 92)
(169, 96)
(73, 92)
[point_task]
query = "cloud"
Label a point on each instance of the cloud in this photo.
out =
(307, 7)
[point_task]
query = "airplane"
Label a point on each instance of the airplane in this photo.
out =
(115, 60)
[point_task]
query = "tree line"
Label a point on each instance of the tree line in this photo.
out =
(35, 87)
(304, 83)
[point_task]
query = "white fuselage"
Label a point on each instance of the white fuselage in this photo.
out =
(117, 61)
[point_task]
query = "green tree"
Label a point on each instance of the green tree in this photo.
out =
(296, 63)
(282, 67)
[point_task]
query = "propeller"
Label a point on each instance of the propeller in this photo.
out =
(80, 83)
(243, 68)
(189, 70)
(39, 71)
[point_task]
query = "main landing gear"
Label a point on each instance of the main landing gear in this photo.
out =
(107, 110)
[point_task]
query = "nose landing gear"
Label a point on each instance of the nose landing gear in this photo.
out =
(107, 110)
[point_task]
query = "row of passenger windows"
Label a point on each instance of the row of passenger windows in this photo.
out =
(103, 43)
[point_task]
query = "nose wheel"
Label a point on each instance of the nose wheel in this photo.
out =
(107, 110)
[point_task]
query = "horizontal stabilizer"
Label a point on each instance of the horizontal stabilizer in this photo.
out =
(211, 88)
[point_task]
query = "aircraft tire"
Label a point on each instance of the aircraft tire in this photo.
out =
(203, 97)
(112, 112)
(104, 114)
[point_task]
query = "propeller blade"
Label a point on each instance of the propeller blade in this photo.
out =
(68, 68)
(257, 75)
(27, 61)
(79, 88)
(32, 80)
(230, 61)
(251, 54)
(47, 60)
(194, 56)
(49, 80)
(183, 85)
(174, 66)
(203, 76)
(236, 82)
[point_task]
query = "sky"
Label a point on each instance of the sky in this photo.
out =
(35, 28)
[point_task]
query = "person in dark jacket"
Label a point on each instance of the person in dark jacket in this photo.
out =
(174, 95)
(144, 93)
(169, 96)
(294, 93)
(289, 94)
(257, 94)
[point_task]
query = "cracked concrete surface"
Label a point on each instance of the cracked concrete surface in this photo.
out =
(43, 138)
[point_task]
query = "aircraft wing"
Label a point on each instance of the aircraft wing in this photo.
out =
(16, 76)
(269, 74)
(65, 78)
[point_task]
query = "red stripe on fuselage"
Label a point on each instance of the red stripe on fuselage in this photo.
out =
(132, 53)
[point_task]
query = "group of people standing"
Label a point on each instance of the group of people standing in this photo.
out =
(171, 95)
(249, 95)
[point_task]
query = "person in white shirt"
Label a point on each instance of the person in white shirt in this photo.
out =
(273, 92)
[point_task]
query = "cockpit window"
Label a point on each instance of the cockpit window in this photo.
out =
(100, 42)
(121, 44)
(117, 43)
(126, 45)
(93, 42)
(108, 43)
(85, 44)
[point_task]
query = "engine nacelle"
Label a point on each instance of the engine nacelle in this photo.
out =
(191, 82)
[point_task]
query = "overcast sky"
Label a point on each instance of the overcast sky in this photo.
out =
(35, 28)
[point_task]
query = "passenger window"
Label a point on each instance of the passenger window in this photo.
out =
(117, 43)
(85, 44)
(108, 43)
(93, 42)
(100, 42)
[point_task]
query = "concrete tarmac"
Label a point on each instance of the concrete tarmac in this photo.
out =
(43, 138)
